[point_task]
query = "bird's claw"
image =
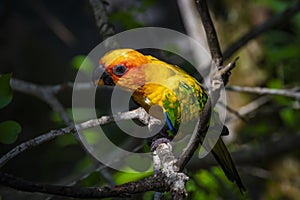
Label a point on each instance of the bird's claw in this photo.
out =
(157, 142)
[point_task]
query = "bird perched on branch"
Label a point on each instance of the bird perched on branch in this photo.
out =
(156, 83)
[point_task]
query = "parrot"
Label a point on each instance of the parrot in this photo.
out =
(154, 82)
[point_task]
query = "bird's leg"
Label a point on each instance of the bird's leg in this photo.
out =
(161, 137)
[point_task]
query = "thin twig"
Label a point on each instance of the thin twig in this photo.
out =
(45, 93)
(249, 108)
(234, 112)
(263, 91)
(54, 23)
(33, 143)
(258, 172)
(139, 113)
(253, 105)
(266, 152)
(48, 95)
(275, 21)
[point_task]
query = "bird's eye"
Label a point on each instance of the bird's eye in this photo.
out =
(119, 70)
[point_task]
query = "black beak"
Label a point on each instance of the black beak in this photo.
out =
(101, 77)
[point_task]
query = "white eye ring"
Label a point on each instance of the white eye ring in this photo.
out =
(120, 70)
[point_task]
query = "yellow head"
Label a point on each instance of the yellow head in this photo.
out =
(122, 67)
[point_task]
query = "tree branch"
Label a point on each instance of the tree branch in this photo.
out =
(195, 140)
(218, 79)
(294, 92)
(106, 29)
(210, 31)
(48, 95)
(139, 113)
(245, 110)
(45, 93)
(271, 23)
(262, 153)
(235, 113)
(154, 183)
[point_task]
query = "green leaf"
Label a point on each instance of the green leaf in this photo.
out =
(91, 136)
(275, 84)
(92, 180)
(5, 90)
(274, 5)
(125, 177)
(206, 179)
(66, 140)
(9, 131)
(287, 115)
(148, 195)
(55, 117)
(83, 63)
(83, 164)
(191, 186)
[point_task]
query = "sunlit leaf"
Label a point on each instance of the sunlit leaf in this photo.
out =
(83, 63)
(287, 115)
(275, 83)
(130, 175)
(206, 179)
(191, 186)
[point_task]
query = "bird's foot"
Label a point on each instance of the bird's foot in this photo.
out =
(157, 142)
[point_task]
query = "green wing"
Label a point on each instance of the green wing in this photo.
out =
(189, 102)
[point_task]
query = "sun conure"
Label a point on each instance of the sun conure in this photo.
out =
(154, 82)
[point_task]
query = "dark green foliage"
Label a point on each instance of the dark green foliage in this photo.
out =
(9, 130)
(5, 90)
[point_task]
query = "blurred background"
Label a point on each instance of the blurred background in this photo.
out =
(44, 42)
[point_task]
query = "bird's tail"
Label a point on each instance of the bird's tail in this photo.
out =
(223, 157)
